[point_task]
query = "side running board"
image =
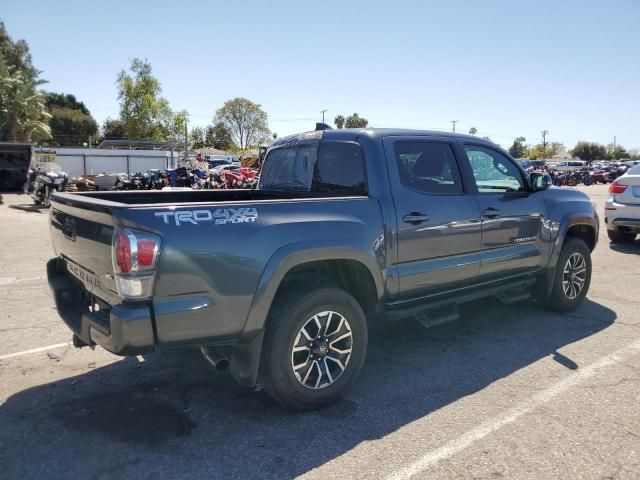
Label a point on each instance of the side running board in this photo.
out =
(440, 309)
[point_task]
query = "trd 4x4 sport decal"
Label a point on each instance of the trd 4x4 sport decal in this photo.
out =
(220, 216)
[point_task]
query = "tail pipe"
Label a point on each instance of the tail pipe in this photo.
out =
(218, 360)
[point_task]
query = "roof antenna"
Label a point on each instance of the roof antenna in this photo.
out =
(322, 126)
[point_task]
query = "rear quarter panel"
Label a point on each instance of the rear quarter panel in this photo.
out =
(208, 272)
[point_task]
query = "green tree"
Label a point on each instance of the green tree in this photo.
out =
(61, 100)
(71, 127)
(555, 148)
(473, 131)
(219, 137)
(23, 111)
(355, 121)
(245, 121)
(198, 137)
(617, 153)
(537, 151)
(589, 151)
(113, 129)
(16, 55)
(71, 122)
(339, 121)
(144, 113)
(518, 149)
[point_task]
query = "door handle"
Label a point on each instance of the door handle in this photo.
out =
(491, 213)
(415, 217)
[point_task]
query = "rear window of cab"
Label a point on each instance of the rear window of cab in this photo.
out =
(327, 167)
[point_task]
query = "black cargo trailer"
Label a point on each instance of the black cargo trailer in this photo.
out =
(14, 164)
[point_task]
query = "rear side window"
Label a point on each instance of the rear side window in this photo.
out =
(428, 167)
(339, 169)
(334, 168)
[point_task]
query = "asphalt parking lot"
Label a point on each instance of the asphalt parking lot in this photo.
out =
(505, 392)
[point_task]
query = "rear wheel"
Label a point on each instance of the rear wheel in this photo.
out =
(572, 276)
(314, 347)
(621, 237)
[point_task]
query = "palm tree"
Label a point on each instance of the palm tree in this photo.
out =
(473, 131)
(23, 111)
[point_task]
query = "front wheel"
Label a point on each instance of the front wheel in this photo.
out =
(314, 347)
(47, 196)
(572, 276)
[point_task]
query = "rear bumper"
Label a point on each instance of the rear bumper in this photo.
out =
(123, 329)
(619, 216)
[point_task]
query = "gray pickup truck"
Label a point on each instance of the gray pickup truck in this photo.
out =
(278, 283)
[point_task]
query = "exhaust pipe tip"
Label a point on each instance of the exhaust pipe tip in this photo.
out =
(217, 360)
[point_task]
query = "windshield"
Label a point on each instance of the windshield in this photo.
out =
(49, 166)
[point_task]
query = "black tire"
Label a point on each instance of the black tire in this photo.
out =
(559, 300)
(286, 320)
(621, 237)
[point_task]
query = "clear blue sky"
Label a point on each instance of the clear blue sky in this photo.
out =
(509, 68)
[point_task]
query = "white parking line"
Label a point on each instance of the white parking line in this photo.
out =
(34, 350)
(466, 439)
(10, 280)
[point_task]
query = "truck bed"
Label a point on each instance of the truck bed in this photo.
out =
(173, 197)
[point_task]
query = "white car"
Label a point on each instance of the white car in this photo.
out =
(570, 165)
(622, 208)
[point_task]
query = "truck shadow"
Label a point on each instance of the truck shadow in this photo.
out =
(171, 416)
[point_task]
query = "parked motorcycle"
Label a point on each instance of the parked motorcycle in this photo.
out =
(44, 180)
(599, 176)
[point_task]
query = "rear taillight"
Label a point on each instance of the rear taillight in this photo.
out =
(135, 255)
(617, 187)
(122, 256)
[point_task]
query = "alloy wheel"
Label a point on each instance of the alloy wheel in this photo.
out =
(574, 275)
(321, 350)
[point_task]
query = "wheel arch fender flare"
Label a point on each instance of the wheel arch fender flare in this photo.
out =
(245, 360)
(568, 221)
(295, 254)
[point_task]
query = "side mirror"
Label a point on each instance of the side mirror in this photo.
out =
(540, 181)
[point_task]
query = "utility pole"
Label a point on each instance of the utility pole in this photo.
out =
(544, 142)
(614, 144)
(322, 112)
(185, 137)
(453, 122)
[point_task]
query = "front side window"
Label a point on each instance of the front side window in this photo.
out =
(429, 167)
(493, 172)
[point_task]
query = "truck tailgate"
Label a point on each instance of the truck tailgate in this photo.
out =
(83, 237)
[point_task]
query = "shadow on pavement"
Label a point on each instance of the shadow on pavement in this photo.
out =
(632, 248)
(29, 207)
(171, 416)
